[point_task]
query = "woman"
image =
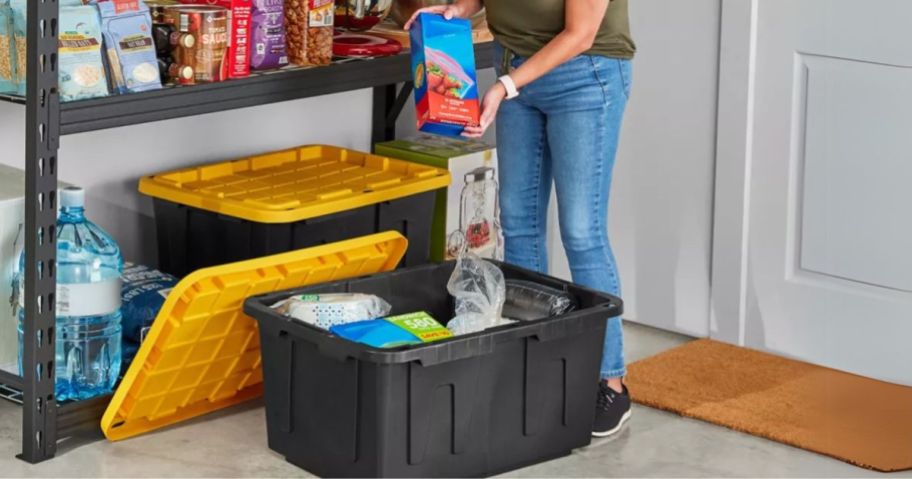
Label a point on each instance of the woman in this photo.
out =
(564, 79)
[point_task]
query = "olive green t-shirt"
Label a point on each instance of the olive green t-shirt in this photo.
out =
(525, 26)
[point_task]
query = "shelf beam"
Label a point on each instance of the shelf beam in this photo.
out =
(261, 89)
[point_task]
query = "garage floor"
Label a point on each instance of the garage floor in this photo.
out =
(233, 444)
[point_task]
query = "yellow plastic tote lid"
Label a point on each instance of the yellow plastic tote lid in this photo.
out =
(294, 185)
(202, 353)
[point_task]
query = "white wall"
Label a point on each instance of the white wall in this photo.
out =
(109, 163)
(662, 197)
(661, 203)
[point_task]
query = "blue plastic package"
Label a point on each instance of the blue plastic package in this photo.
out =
(143, 292)
(378, 333)
(128, 350)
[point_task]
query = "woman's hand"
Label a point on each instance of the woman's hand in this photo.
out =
(449, 12)
(489, 106)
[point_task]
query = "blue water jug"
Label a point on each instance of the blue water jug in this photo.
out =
(88, 326)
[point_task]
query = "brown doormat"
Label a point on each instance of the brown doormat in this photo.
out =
(858, 420)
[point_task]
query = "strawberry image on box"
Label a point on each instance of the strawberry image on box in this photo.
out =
(443, 65)
(240, 12)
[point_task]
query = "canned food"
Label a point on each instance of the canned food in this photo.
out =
(199, 40)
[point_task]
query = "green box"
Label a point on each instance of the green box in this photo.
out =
(458, 156)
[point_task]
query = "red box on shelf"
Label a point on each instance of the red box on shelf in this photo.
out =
(240, 12)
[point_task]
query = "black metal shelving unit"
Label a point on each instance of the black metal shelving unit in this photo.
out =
(44, 421)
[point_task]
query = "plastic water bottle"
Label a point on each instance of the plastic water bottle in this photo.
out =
(88, 326)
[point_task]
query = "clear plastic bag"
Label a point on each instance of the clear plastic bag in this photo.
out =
(328, 310)
(479, 289)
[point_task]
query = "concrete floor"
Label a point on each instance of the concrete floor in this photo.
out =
(233, 444)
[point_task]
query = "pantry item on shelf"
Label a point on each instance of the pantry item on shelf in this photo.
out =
(443, 64)
(79, 57)
(7, 47)
(422, 325)
(157, 10)
(238, 39)
(199, 41)
(359, 45)
(403, 10)
(267, 24)
(528, 300)
(360, 15)
(375, 332)
(461, 156)
(328, 310)
(309, 31)
(88, 329)
(127, 29)
(479, 289)
(143, 293)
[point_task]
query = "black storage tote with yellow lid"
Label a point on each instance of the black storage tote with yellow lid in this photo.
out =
(287, 200)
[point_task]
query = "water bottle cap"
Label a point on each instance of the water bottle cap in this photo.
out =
(72, 197)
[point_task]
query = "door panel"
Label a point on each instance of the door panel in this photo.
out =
(815, 119)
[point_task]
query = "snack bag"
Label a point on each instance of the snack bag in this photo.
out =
(127, 29)
(443, 64)
(79, 60)
(268, 35)
(7, 47)
(422, 325)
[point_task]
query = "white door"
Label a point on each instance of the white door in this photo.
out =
(813, 218)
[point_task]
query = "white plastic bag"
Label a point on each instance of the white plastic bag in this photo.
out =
(479, 289)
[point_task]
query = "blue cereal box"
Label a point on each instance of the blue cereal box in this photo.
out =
(443, 65)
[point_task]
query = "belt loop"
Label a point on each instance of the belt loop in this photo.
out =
(506, 66)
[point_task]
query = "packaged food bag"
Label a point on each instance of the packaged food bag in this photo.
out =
(7, 47)
(443, 65)
(79, 60)
(393, 332)
(268, 37)
(422, 325)
(328, 310)
(143, 292)
(127, 29)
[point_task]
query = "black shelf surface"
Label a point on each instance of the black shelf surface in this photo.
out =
(259, 89)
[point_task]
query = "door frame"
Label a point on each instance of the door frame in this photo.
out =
(734, 159)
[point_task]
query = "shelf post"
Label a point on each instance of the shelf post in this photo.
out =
(39, 408)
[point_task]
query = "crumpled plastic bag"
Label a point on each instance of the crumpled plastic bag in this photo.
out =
(479, 288)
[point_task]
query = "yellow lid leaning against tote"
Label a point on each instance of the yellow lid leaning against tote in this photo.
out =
(202, 353)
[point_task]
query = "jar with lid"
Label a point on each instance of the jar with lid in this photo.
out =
(479, 217)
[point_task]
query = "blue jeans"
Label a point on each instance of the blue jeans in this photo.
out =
(563, 129)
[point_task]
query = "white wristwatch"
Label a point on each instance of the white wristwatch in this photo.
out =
(508, 84)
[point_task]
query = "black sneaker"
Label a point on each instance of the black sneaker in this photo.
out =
(612, 410)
